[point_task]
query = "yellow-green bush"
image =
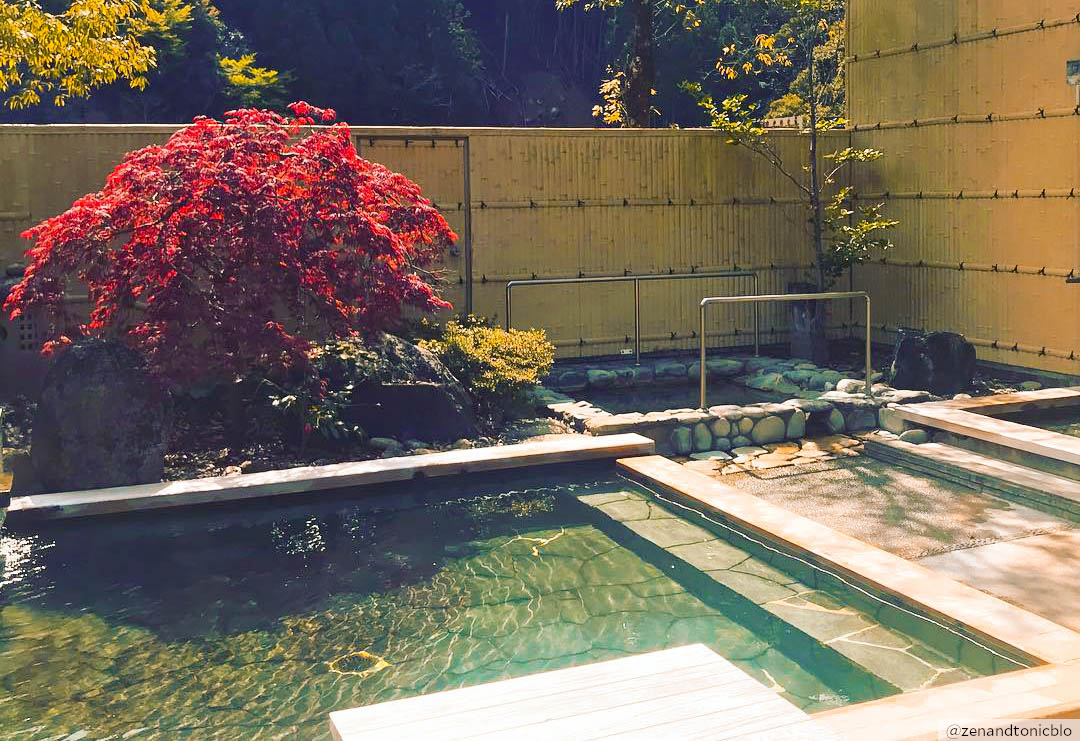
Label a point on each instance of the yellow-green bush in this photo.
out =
(496, 366)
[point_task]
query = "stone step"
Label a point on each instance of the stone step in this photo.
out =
(1038, 488)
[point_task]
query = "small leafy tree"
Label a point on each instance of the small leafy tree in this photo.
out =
(842, 233)
(234, 246)
(66, 55)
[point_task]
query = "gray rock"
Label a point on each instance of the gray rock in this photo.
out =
(722, 443)
(702, 437)
(796, 426)
(746, 424)
(409, 395)
(753, 365)
(861, 419)
(1030, 386)
(768, 430)
(601, 379)
(800, 377)
(960, 397)
(835, 422)
(850, 386)
(385, 443)
(711, 455)
(754, 412)
(904, 396)
(832, 376)
(721, 410)
(573, 380)
(101, 421)
(890, 419)
(817, 382)
(940, 362)
(764, 381)
(810, 406)
(692, 417)
(416, 444)
(643, 375)
(681, 441)
(915, 437)
(748, 450)
(725, 367)
(740, 441)
(625, 377)
(462, 444)
(669, 370)
(721, 427)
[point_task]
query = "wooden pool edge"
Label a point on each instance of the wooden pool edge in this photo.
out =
(976, 418)
(308, 479)
(1051, 690)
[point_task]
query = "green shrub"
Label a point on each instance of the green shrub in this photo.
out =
(496, 366)
(316, 403)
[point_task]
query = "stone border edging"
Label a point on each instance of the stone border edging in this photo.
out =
(124, 499)
(819, 403)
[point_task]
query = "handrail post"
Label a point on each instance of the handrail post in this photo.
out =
(637, 322)
(756, 299)
(869, 385)
(509, 285)
(757, 343)
(702, 379)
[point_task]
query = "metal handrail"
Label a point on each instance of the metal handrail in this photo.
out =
(785, 297)
(637, 294)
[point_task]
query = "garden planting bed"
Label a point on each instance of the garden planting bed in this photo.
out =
(805, 397)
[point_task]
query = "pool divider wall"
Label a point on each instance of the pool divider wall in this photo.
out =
(974, 418)
(1048, 691)
(820, 398)
(127, 499)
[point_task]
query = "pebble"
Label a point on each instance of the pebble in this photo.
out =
(915, 437)
(711, 455)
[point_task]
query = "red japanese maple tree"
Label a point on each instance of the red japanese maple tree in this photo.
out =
(235, 245)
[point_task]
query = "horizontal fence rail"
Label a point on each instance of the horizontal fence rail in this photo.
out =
(636, 280)
(831, 296)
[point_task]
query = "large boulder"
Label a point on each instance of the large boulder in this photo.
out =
(412, 395)
(101, 421)
(942, 363)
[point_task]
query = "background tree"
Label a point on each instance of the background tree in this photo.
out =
(394, 62)
(58, 56)
(202, 67)
(841, 232)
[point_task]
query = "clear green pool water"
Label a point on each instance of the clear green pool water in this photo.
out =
(685, 396)
(256, 622)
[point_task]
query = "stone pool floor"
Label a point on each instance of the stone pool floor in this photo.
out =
(1025, 556)
(910, 514)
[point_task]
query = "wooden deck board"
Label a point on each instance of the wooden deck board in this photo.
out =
(564, 449)
(632, 695)
(971, 417)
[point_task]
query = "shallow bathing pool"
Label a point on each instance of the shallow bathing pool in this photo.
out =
(255, 622)
(1065, 420)
(658, 397)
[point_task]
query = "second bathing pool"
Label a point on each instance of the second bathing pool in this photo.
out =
(255, 622)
